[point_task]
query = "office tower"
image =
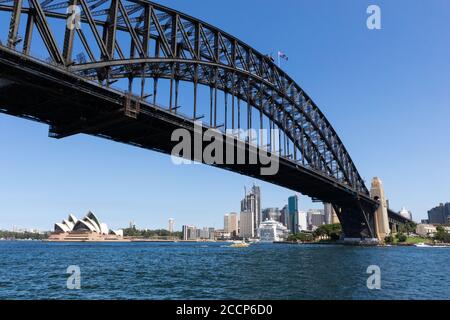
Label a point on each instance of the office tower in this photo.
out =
(247, 223)
(205, 233)
(439, 214)
(302, 221)
(189, 233)
(212, 232)
(271, 214)
(171, 225)
(315, 218)
(293, 214)
(231, 224)
(252, 203)
(226, 222)
(284, 214)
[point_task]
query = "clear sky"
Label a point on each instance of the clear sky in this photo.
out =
(386, 92)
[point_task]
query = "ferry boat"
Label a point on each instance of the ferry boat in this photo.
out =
(423, 245)
(240, 245)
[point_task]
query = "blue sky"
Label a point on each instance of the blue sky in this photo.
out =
(386, 92)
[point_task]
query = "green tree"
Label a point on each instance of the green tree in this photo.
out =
(331, 231)
(401, 237)
(442, 235)
(303, 237)
(389, 239)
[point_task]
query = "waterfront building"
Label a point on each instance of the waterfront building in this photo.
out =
(204, 234)
(247, 223)
(212, 233)
(405, 213)
(171, 225)
(315, 218)
(231, 223)
(189, 233)
(293, 214)
(272, 231)
(284, 214)
(425, 230)
(252, 203)
(302, 221)
(271, 214)
(440, 214)
(87, 229)
(221, 235)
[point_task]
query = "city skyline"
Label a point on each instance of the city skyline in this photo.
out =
(291, 207)
(38, 188)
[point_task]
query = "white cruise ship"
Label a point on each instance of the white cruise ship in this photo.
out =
(272, 231)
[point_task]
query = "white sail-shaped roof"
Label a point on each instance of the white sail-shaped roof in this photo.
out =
(83, 225)
(117, 233)
(93, 223)
(92, 217)
(89, 223)
(72, 219)
(61, 227)
(69, 224)
(104, 229)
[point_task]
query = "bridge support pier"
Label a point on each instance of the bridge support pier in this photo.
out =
(357, 221)
(382, 229)
(394, 228)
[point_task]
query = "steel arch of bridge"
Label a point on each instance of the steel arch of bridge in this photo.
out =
(167, 44)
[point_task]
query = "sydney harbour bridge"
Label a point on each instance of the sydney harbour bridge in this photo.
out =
(134, 71)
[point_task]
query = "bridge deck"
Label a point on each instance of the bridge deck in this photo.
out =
(71, 105)
(40, 92)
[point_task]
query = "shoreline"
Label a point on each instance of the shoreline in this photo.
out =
(206, 242)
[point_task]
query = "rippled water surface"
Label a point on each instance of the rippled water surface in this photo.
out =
(36, 270)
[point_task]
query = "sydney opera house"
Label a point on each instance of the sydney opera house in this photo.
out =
(87, 229)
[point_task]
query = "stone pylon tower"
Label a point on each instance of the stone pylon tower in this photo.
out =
(381, 215)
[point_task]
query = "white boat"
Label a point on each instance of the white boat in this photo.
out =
(271, 231)
(240, 245)
(423, 245)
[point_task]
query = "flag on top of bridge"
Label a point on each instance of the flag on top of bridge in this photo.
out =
(283, 55)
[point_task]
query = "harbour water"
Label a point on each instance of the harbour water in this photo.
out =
(37, 270)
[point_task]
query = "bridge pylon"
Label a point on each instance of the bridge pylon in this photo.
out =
(381, 222)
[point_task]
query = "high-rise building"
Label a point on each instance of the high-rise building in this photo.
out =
(252, 203)
(189, 233)
(271, 214)
(302, 221)
(212, 232)
(226, 222)
(205, 233)
(293, 214)
(440, 214)
(231, 224)
(284, 215)
(247, 223)
(171, 225)
(315, 218)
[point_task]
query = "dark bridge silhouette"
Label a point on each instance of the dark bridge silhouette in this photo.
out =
(61, 63)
